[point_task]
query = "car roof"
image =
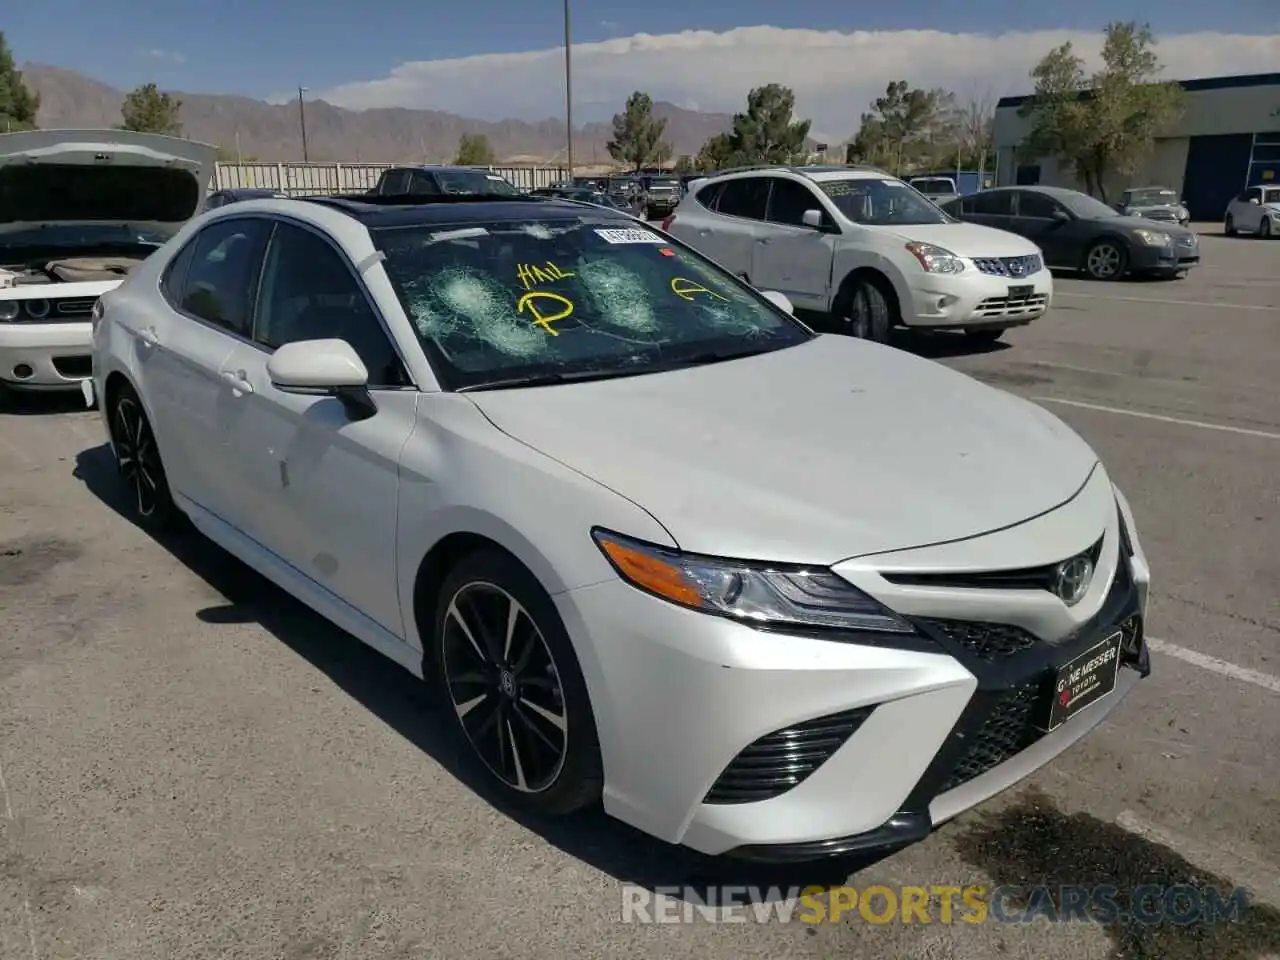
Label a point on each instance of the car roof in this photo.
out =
(818, 172)
(1037, 188)
(404, 211)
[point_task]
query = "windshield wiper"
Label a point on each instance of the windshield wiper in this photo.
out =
(550, 379)
(712, 356)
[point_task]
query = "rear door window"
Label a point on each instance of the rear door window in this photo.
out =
(747, 198)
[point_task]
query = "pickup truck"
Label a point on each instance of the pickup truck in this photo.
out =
(433, 181)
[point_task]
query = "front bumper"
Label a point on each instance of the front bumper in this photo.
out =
(45, 356)
(1170, 259)
(682, 698)
(975, 299)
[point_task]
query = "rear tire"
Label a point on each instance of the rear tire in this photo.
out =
(864, 311)
(506, 672)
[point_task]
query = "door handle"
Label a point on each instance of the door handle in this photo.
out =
(237, 381)
(763, 241)
(704, 233)
(148, 336)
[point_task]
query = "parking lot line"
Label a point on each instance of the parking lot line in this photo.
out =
(1225, 428)
(28, 920)
(1227, 669)
(1166, 300)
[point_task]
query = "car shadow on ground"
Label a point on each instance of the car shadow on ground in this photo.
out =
(398, 699)
(1042, 856)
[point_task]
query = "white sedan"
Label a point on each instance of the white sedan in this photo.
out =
(648, 538)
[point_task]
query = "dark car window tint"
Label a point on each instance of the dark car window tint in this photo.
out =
(789, 200)
(423, 185)
(310, 293)
(1036, 206)
(395, 181)
(996, 203)
(709, 195)
(175, 274)
(744, 198)
(220, 282)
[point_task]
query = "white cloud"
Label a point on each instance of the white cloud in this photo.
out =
(172, 56)
(835, 75)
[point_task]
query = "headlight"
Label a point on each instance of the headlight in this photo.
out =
(1154, 238)
(8, 310)
(935, 259)
(756, 594)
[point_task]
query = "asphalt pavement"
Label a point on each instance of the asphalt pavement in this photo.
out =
(192, 765)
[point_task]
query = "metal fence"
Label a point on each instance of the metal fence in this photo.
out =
(312, 179)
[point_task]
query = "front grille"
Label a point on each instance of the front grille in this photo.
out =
(1008, 266)
(74, 306)
(778, 761)
(1021, 578)
(987, 641)
(1010, 727)
(995, 307)
(74, 368)
(1166, 215)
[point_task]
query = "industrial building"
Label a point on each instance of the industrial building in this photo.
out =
(1228, 138)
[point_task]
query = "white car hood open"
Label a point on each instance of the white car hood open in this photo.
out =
(966, 239)
(142, 181)
(824, 451)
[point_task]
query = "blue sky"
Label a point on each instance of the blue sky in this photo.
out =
(268, 47)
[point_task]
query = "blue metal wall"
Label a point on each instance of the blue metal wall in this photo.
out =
(1265, 162)
(1217, 168)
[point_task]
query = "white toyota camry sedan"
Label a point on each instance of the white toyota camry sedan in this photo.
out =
(648, 539)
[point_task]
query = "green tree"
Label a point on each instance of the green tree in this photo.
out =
(1103, 124)
(906, 127)
(715, 154)
(18, 105)
(147, 110)
(637, 133)
(474, 150)
(766, 132)
(685, 164)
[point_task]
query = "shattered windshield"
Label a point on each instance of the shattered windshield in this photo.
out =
(881, 202)
(557, 297)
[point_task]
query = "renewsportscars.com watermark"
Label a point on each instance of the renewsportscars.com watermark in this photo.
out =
(1151, 905)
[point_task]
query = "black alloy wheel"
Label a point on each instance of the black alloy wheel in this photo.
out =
(511, 680)
(138, 459)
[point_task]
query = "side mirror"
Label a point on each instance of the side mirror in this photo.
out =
(812, 218)
(1255, 201)
(323, 368)
(779, 300)
(1061, 215)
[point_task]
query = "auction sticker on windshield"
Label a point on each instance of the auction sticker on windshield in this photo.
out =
(1085, 680)
(630, 236)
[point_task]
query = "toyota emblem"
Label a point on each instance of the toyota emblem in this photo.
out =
(1072, 578)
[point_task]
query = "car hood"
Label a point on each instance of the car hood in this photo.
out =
(1273, 207)
(966, 239)
(141, 180)
(1121, 222)
(828, 450)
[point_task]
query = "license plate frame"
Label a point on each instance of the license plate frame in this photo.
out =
(1021, 291)
(1084, 680)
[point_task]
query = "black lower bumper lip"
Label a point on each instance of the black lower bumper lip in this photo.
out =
(902, 830)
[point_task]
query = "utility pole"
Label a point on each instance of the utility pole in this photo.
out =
(302, 118)
(568, 86)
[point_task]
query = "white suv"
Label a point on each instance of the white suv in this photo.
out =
(865, 248)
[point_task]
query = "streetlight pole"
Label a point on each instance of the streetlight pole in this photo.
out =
(568, 86)
(302, 118)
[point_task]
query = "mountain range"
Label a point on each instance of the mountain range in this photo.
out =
(263, 131)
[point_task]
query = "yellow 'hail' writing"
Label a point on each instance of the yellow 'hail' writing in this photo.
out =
(687, 289)
(527, 303)
(531, 275)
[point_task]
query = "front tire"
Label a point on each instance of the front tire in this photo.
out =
(506, 671)
(1264, 229)
(984, 335)
(1229, 226)
(138, 460)
(865, 312)
(1106, 260)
